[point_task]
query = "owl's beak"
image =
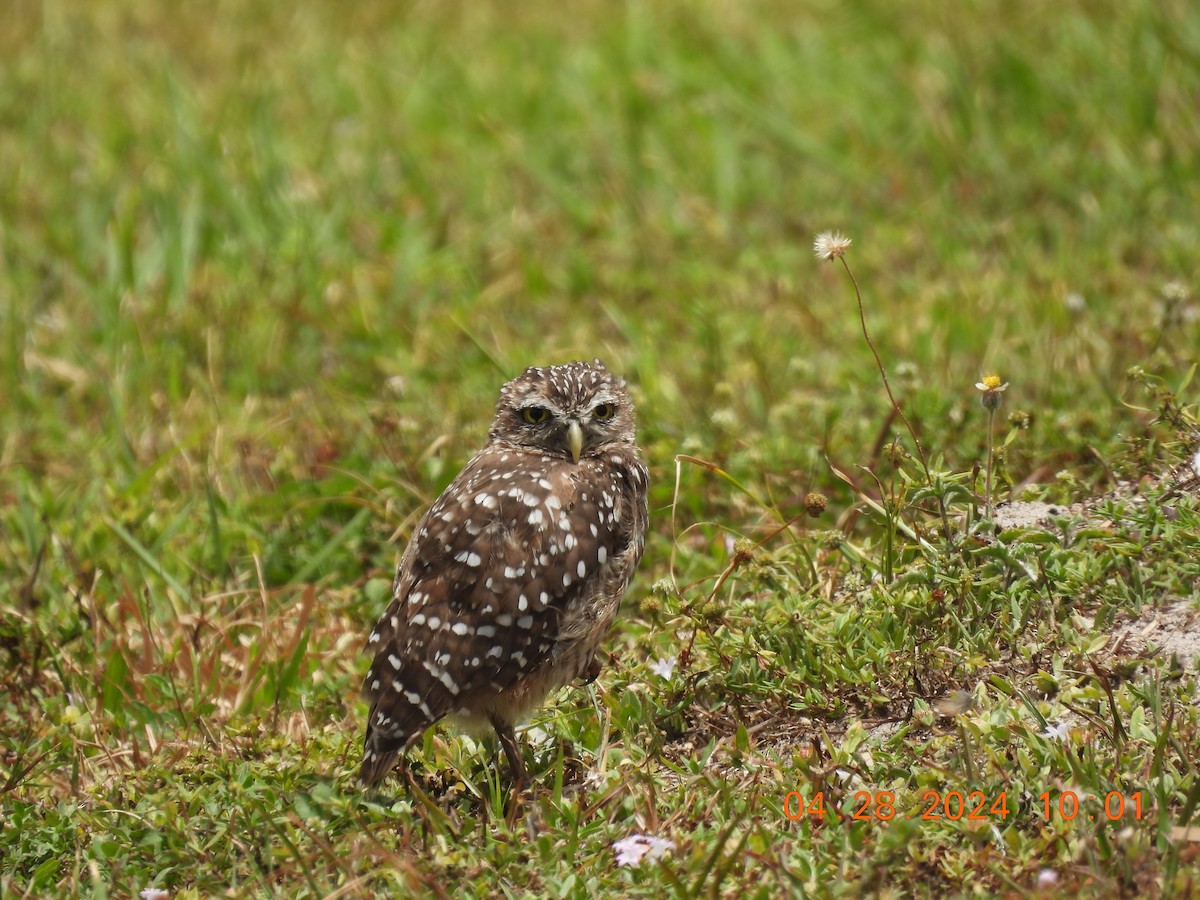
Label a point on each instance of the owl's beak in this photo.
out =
(575, 440)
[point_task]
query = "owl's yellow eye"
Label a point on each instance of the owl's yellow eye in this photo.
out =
(604, 411)
(535, 415)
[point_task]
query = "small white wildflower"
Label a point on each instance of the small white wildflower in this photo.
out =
(633, 849)
(1075, 302)
(829, 245)
(1059, 731)
(154, 894)
(1047, 878)
(664, 667)
(1196, 461)
(630, 850)
(658, 847)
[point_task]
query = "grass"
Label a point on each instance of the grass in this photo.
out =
(263, 269)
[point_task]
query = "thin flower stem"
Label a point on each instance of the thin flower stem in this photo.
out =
(862, 318)
(988, 483)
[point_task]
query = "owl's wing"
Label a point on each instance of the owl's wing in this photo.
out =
(483, 586)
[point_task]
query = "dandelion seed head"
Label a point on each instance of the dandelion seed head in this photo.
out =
(829, 245)
(1175, 291)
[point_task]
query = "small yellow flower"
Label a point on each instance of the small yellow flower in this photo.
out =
(992, 389)
(991, 384)
(829, 245)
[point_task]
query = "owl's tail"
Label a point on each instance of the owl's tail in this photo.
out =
(380, 752)
(395, 723)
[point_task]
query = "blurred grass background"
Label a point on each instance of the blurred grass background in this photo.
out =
(263, 269)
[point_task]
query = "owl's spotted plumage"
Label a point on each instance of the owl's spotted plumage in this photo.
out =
(515, 574)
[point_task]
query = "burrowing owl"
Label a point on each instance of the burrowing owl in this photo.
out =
(514, 575)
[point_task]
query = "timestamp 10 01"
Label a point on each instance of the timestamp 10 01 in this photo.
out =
(1067, 805)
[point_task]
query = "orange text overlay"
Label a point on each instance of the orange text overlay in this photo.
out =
(970, 806)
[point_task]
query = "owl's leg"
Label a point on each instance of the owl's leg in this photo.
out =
(508, 740)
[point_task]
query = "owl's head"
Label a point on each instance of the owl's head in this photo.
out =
(575, 410)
